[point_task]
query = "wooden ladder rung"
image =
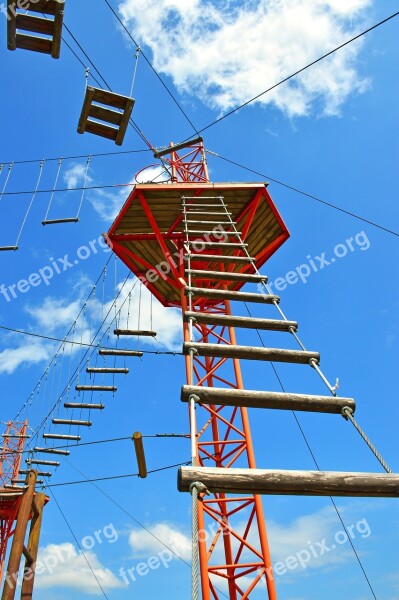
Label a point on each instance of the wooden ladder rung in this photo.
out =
(208, 222)
(295, 483)
(219, 258)
(228, 295)
(243, 322)
(79, 405)
(96, 388)
(227, 275)
(270, 400)
(51, 451)
(116, 370)
(8, 248)
(216, 245)
(101, 130)
(57, 221)
(120, 353)
(215, 233)
(40, 473)
(204, 212)
(137, 332)
(61, 436)
(33, 43)
(105, 114)
(251, 353)
(48, 7)
(23, 482)
(35, 24)
(71, 422)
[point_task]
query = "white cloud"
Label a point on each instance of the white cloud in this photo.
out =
(225, 53)
(145, 543)
(60, 565)
(75, 176)
(26, 353)
(108, 204)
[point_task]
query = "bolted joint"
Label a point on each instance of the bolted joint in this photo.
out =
(200, 488)
(347, 412)
(194, 398)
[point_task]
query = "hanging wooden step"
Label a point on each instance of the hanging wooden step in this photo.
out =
(137, 332)
(91, 108)
(271, 400)
(227, 276)
(42, 25)
(120, 353)
(16, 482)
(15, 436)
(218, 244)
(44, 463)
(58, 221)
(61, 436)
(242, 322)
(215, 233)
(9, 248)
(220, 213)
(228, 295)
(79, 405)
(189, 206)
(116, 370)
(219, 258)
(72, 422)
(295, 483)
(196, 222)
(39, 474)
(96, 388)
(51, 451)
(249, 352)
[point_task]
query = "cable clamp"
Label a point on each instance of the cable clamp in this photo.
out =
(195, 398)
(201, 489)
(346, 412)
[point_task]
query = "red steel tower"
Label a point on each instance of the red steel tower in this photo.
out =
(194, 244)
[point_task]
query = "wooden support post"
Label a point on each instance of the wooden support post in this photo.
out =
(33, 548)
(17, 548)
(295, 483)
(138, 445)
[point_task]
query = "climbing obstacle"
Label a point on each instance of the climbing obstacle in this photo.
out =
(99, 118)
(50, 26)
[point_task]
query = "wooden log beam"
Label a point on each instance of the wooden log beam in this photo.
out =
(243, 322)
(226, 276)
(33, 548)
(271, 400)
(251, 353)
(296, 483)
(227, 295)
(139, 448)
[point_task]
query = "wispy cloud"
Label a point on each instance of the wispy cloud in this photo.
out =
(226, 52)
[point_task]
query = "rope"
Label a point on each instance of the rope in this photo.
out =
(31, 202)
(60, 161)
(347, 413)
(84, 185)
(136, 56)
(195, 489)
(10, 168)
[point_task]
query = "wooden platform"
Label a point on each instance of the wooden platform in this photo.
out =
(150, 224)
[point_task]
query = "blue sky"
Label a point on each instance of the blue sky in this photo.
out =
(332, 133)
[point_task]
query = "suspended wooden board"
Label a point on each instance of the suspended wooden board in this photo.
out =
(113, 123)
(150, 224)
(49, 26)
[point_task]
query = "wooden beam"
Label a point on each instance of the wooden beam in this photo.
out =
(296, 483)
(139, 448)
(33, 548)
(271, 400)
(227, 295)
(178, 147)
(243, 322)
(251, 353)
(227, 275)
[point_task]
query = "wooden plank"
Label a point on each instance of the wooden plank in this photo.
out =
(57, 31)
(110, 98)
(102, 130)
(243, 322)
(124, 122)
(11, 27)
(220, 258)
(48, 7)
(136, 332)
(139, 448)
(105, 114)
(228, 276)
(36, 44)
(269, 400)
(226, 295)
(297, 483)
(95, 388)
(35, 24)
(33, 547)
(84, 115)
(249, 352)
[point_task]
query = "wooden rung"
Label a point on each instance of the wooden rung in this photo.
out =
(271, 400)
(56, 221)
(228, 295)
(107, 370)
(35, 24)
(296, 483)
(218, 244)
(251, 353)
(120, 353)
(33, 43)
(208, 222)
(82, 405)
(243, 322)
(48, 7)
(22, 482)
(203, 212)
(121, 120)
(210, 233)
(51, 451)
(15, 435)
(46, 463)
(140, 455)
(8, 248)
(228, 276)
(178, 147)
(60, 436)
(96, 388)
(71, 422)
(138, 332)
(189, 206)
(40, 473)
(219, 258)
